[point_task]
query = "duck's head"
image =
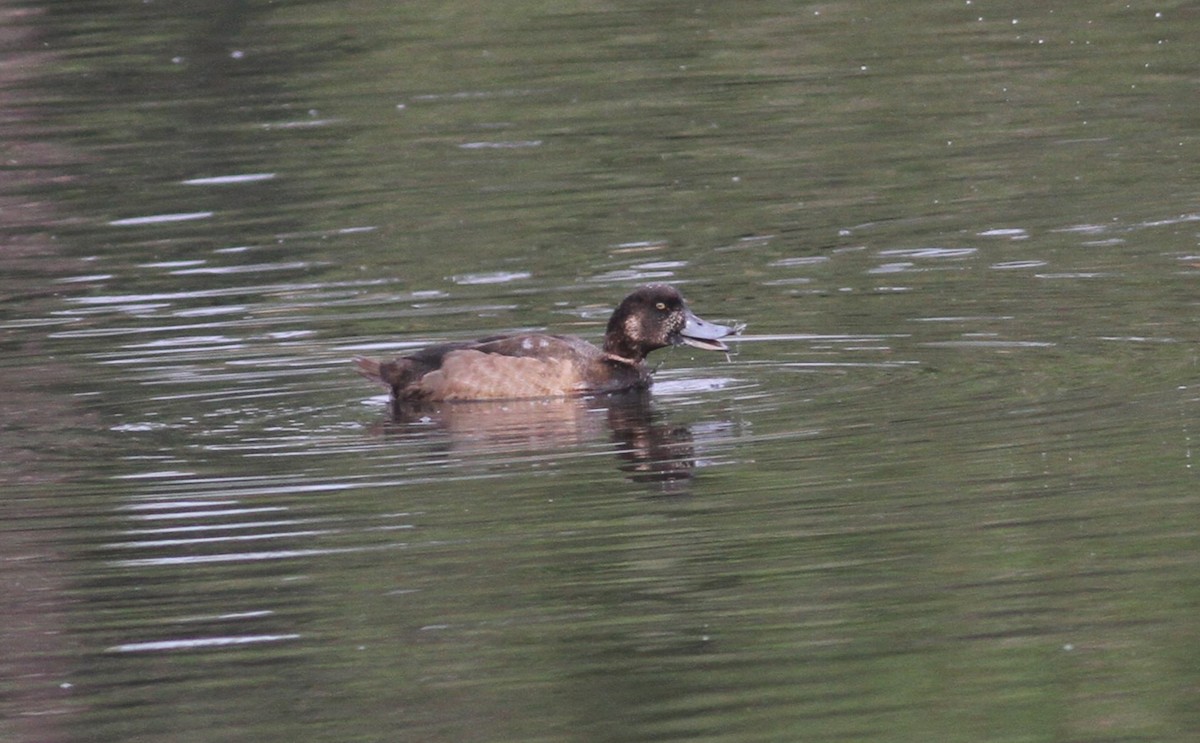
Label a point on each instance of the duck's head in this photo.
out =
(655, 316)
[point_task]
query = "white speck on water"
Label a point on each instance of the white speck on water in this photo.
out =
(160, 219)
(1016, 233)
(500, 145)
(889, 268)
(1013, 265)
(496, 277)
(221, 180)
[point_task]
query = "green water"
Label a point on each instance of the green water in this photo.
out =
(943, 489)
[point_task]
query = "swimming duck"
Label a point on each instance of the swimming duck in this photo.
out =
(530, 365)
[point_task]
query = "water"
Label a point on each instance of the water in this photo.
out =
(942, 490)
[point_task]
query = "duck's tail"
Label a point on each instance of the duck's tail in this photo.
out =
(369, 368)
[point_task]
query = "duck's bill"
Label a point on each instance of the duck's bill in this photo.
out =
(704, 334)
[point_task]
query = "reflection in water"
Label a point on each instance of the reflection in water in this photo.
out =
(651, 450)
(484, 425)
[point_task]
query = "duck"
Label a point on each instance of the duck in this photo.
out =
(541, 365)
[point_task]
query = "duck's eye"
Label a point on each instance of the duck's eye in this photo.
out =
(662, 306)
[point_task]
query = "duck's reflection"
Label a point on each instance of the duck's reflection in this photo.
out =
(650, 450)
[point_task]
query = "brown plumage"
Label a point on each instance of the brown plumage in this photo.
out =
(531, 365)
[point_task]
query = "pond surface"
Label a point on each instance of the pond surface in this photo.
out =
(943, 489)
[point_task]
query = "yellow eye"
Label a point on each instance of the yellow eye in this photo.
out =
(661, 305)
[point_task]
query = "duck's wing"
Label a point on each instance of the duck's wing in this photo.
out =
(471, 374)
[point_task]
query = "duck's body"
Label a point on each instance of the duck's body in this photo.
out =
(509, 366)
(532, 365)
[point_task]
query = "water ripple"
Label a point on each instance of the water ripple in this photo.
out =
(222, 180)
(160, 219)
(197, 643)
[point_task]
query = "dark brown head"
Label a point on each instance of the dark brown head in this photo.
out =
(655, 316)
